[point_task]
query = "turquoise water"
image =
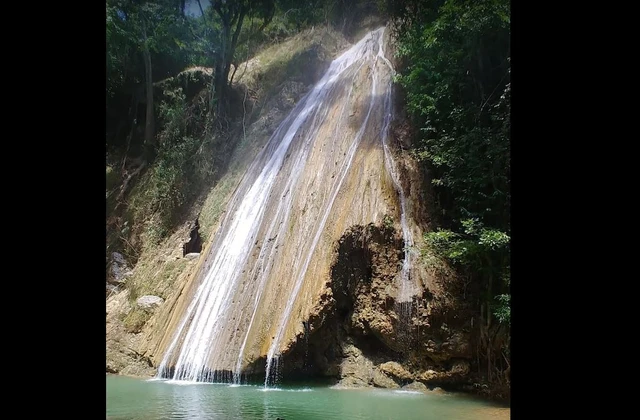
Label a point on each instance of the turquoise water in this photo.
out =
(131, 398)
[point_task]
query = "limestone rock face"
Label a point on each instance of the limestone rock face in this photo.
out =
(325, 171)
(363, 277)
(371, 339)
(394, 369)
(428, 375)
(324, 275)
(121, 354)
(118, 258)
(356, 370)
(119, 269)
(383, 381)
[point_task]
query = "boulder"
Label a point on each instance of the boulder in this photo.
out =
(416, 386)
(149, 301)
(383, 381)
(395, 370)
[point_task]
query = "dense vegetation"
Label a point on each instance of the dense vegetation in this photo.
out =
(165, 141)
(456, 80)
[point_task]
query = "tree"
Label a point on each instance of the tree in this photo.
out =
(227, 22)
(146, 27)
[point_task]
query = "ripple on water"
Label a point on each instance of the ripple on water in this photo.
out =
(185, 383)
(404, 391)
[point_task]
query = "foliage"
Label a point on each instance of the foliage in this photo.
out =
(147, 41)
(182, 165)
(135, 319)
(308, 12)
(478, 249)
(454, 62)
(220, 36)
(132, 26)
(455, 71)
(503, 309)
(456, 80)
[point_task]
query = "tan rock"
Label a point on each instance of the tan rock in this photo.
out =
(460, 367)
(427, 375)
(356, 370)
(416, 386)
(394, 369)
(149, 301)
(383, 381)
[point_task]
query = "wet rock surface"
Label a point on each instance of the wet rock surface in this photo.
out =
(362, 337)
(350, 326)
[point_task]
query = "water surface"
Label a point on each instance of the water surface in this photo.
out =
(132, 398)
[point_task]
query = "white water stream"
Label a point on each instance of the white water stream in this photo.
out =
(261, 211)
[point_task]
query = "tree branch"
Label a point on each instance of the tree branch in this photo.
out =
(494, 91)
(267, 20)
(217, 6)
(200, 6)
(234, 41)
(125, 184)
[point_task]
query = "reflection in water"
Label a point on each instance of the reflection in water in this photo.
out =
(130, 398)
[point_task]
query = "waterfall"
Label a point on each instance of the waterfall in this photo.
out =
(281, 219)
(404, 299)
(405, 290)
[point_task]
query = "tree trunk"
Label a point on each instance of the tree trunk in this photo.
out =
(235, 68)
(132, 113)
(228, 43)
(213, 95)
(149, 134)
(222, 72)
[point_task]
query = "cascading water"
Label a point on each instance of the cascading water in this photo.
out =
(366, 48)
(404, 299)
(405, 291)
(294, 200)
